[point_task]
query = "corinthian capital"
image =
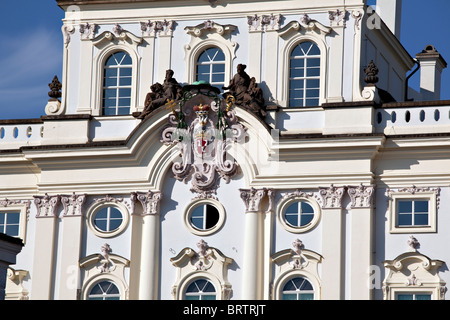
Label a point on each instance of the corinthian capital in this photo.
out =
(252, 198)
(46, 205)
(331, 196)
(149, 201)
(361, 196)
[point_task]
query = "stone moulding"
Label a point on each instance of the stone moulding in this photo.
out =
(412, 271)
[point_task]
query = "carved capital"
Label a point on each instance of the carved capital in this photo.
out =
(361, 196)
(252, 198)
(337, 18)
(73, 204)
(46, 205)
(331, 196)
(149, 201)
(88, 31)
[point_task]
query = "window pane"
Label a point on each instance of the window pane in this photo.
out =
(313, 83)
(110, 93)
(313, 72)
(219, 68)
(311, 102)
(127, 60)
(12, 230)
(126, 81)
(110, 72)
(218, 78)
(421, 206)
(296, 84)
(314, 51)
(420, 219)
(305, 219)
(313, 62)
(13, 217)
(294, 103)
(110, 82)
(404, 206)
(123, 111)
(404, 296)
(126, 72)
(111, 61)
(212, 217)
(289, 296)
(306, 296)
(405, 219)
(423, 296)
(125, 102)
(312, 93)
(203, 69)
(296, 94)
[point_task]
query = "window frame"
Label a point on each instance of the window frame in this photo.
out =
(191, 207)
(304, 78)
(200, 294)
(202, 38)
(117, 88)
(119, 295)
(396, 197)
(299, 291)
(96, 208)
(105, 45)
(294, 34)
(22, 209)
(291, 199)
(211, 64)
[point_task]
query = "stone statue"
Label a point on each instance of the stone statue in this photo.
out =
(246, 92)
(162, 93)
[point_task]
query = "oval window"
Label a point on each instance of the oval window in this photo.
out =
(203, 217)
(108, 219)
(299, 214)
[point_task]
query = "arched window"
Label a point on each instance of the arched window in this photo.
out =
(104, 290)
(211, 67)
(117, 84)
(298, 289)
(200, 289)
(304, 75)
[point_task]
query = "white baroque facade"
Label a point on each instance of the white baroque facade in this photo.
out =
(138, 186)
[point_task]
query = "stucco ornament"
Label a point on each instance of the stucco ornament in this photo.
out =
(202, 126)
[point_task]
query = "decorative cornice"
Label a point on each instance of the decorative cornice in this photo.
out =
(252, 198)
(361, 196)
(264, 23)
(331, 196)
(210, 27)
(73, 204)
(88, 31)
(149, 201)
(46, 205)
(414, 190)
(337, 18)
(153, 28)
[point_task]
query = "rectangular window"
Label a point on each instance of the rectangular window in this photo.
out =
(413, 210)
(10, 223)
(412, 213)
(413, 296)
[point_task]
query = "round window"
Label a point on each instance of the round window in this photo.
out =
(204, 217)
(298, 215)
(108, 219)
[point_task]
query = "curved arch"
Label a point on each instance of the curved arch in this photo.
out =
(293, 35)
(108, 44)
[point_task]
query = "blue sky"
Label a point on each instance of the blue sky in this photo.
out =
(32, 46)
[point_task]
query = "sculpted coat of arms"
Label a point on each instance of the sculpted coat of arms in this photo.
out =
(203, 126)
